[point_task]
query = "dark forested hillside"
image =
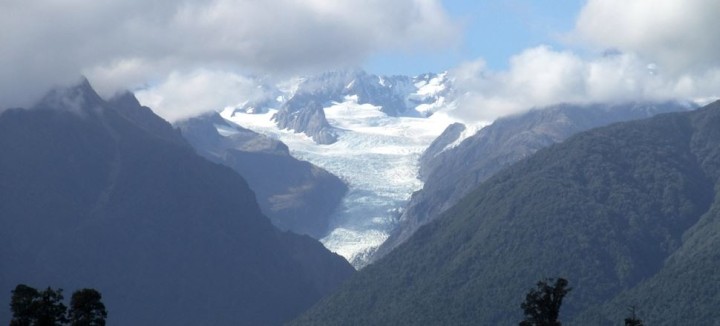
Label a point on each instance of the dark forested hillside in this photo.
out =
(628, 214)
(451, 173)
(107, 195)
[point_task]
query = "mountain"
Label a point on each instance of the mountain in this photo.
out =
(395, 95)
(451, 172)
(628, 213)
(304, 115)
(105, 194)
(295, 195)
(301, 107)
(429, 160)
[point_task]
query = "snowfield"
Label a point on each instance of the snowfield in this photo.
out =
(375, 154)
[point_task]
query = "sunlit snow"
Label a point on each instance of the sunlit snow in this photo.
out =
(375, 154)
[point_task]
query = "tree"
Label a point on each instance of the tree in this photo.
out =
(23, 305)
(33, 308)
(633, 320)
(86, 309)
(50, 309)
(542, 305)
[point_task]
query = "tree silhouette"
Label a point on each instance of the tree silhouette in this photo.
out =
(542, 305)
(86, 309)
(31, 307)
(633, 320)
(23, 305)
(50, 309)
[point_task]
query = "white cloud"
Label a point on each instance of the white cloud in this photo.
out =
(659, 50)
(121, 42)
(541, 76)
(182, 96)
(680, 36)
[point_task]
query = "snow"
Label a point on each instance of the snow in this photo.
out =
(375, 154)
(433, 87)
(470, 130)
(429, 108)
(430, 95)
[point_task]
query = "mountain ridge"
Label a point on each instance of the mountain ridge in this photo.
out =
(301, 108)
(452, 172)
(90, 198)
(605, 209)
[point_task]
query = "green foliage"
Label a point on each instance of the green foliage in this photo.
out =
(542, 305)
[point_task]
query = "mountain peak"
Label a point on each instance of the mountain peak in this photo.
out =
(126, 98)
(79, 98)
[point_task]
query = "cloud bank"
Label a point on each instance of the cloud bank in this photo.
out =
(183, 96)
(640, 50)
(121, 43)
(541, 76)
(680, 36)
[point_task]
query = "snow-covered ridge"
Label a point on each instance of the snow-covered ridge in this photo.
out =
(420, 95)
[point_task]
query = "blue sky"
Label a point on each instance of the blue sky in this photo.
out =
(492, 30)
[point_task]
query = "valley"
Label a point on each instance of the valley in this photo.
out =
(322, 163)
(375, 154)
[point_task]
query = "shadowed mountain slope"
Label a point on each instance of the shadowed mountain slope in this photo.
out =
(105, 194)
(295, 195)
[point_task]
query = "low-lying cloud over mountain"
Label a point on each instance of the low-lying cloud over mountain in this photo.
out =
(117, 44)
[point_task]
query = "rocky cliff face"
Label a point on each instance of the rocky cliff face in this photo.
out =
(304, 115)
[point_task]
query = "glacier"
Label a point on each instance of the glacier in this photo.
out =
(376, 154)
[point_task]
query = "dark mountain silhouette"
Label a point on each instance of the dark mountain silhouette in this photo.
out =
(104, 194)
(628, 214)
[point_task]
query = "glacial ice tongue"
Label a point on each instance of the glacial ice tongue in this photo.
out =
(375, 154)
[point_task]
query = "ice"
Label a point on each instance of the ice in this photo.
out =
(375, 154)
